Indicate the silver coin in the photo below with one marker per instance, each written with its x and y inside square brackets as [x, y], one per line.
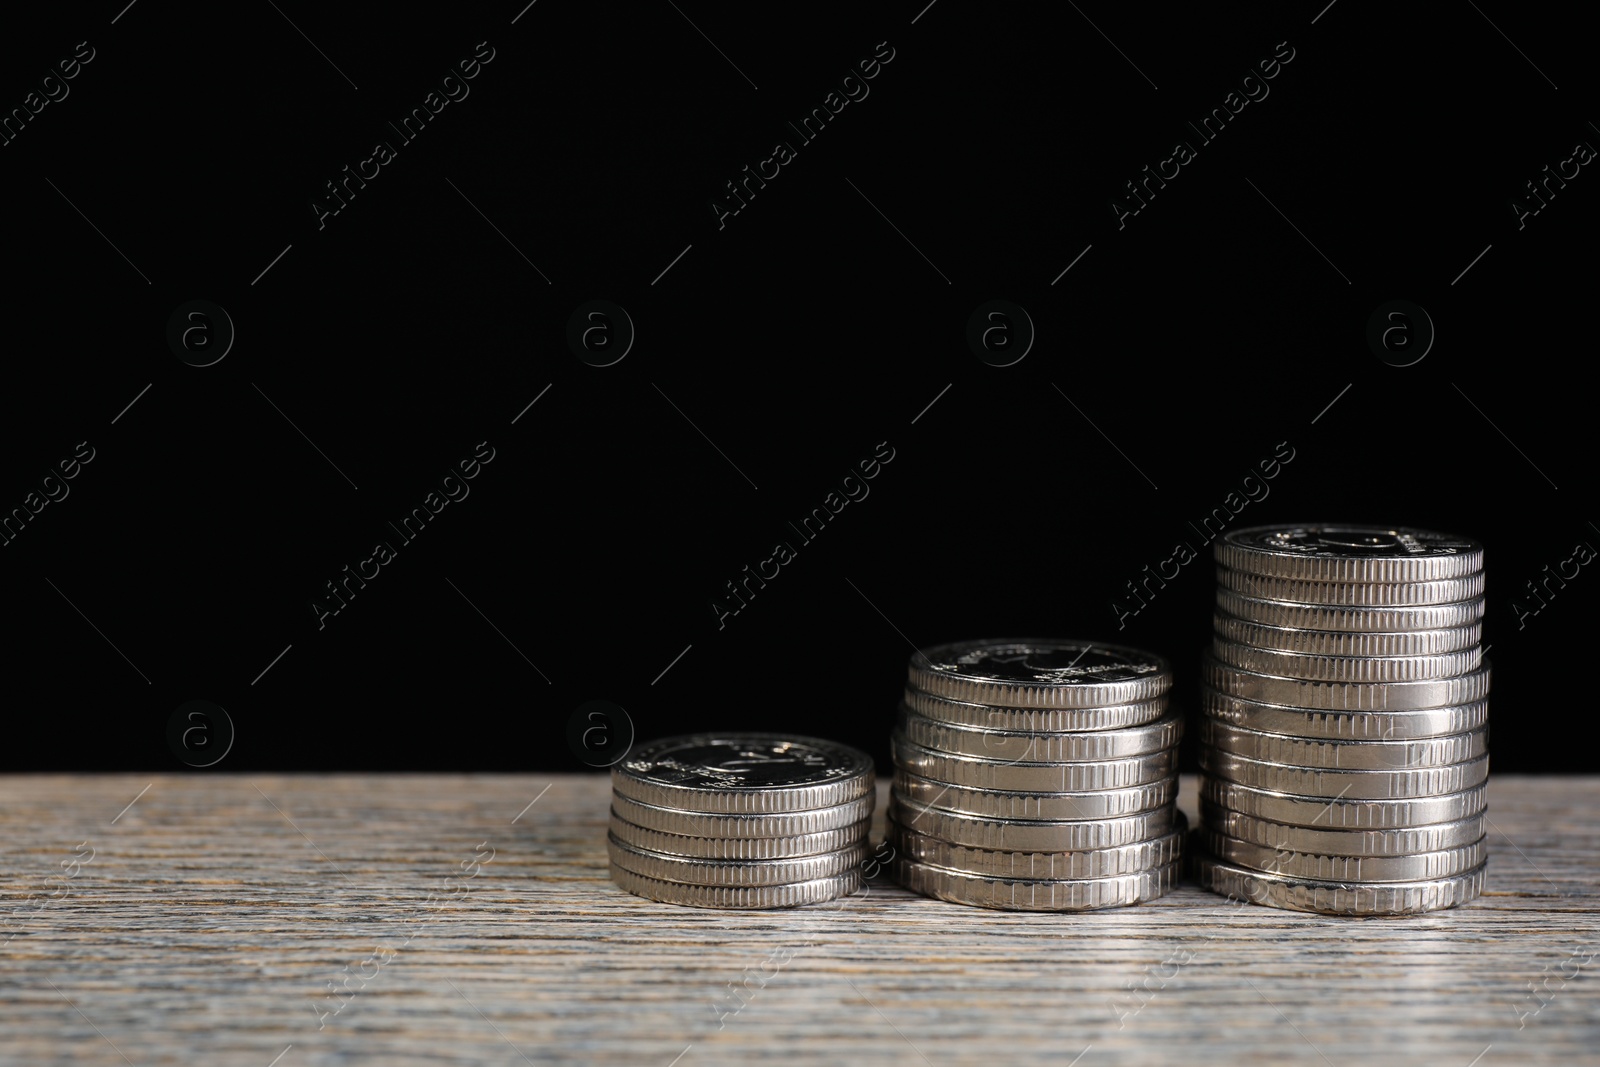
[1352, 594]
[1031, 777]
[1015, 894]
[739, 848]
[1029, 835]
[1396, 842]
[1346, 785]
[1337, 898]
[1343, 725]
[1039, 673]
[727, 896]
[1040, 720]
[1365, 620]
[1012, 747]
[1041, 866]
[1347, 642]
[1335, 552]
[743, 774]
[1344, 696]
[996, 804]
[1343, 813]
[779, 824]
[734, 872]
[1416, 867]
[1344, 755]
[1347, 668]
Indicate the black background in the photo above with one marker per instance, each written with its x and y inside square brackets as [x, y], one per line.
[799, 336]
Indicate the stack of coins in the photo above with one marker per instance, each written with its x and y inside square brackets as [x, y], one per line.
[1036, 775]
[1344, 731]
[740, 820]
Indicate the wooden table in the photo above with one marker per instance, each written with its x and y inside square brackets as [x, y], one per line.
[470, 920]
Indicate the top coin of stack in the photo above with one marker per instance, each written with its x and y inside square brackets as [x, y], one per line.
[1344, 727]
[740, 820]
[1036, 775]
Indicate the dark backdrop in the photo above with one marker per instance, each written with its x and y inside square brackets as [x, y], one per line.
[377, 347]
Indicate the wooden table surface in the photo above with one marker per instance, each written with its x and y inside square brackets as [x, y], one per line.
[400, 919]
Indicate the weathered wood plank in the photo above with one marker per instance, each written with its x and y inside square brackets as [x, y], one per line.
[205, 923]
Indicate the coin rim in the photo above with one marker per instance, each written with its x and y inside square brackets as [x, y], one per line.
[1231, 551]
[757, 825]
[1020, 777]
[1352, 594]
[1337, 643]
[1132, 857]
[1313, 777]
[1303, 722]
[1356, 669]
[1397, 813]
[971, 689]
[956, 887]
[1168, 786]
[1348, 618]
[1307, 752]
[1302, 894]
[1339, 841]
[691, 870]
[1025, 720]
[816, 891]
[738, 848]
[975, 831]
[1150, 738]
[1218, 845]
[1320, 695]
[746, 800]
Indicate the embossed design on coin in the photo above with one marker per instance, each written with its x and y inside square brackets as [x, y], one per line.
[743, 773]
[1039, 673]
[1332, 552]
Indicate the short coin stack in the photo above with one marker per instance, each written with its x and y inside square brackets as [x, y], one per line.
[1036, 775]
[740, 820]
[1344, 734]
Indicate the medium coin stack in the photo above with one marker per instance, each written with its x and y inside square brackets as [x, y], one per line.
[1344, 727]
[740, 820]
[1036, 775]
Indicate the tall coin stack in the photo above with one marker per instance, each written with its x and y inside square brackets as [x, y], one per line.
[740, 820]
[1344, 727]
[1036, 775]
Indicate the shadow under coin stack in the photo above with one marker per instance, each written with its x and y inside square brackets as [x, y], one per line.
[1344, 733]
[740, 820]
[1037, 776]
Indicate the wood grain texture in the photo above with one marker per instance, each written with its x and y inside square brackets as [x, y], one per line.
[216, 911]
